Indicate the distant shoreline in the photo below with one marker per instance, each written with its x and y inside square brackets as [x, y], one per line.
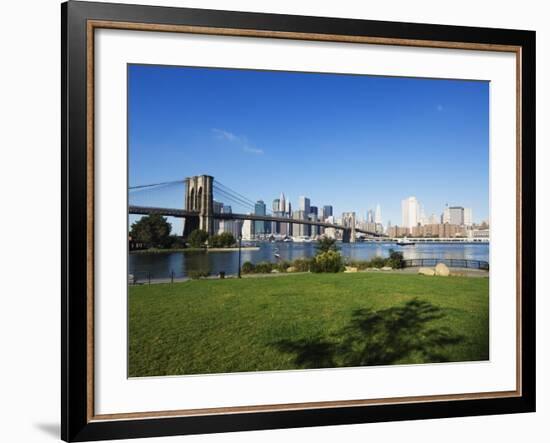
[164, 251]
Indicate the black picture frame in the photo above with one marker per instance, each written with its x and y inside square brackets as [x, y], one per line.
[76, 424]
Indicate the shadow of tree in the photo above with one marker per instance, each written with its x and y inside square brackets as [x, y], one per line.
[378, 338]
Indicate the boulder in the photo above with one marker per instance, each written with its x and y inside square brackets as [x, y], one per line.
[291, 269]
[442, 270]
[386, 268]
[350, 269]
[426, 271]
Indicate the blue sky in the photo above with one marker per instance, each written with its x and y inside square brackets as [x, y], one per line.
[351, 141]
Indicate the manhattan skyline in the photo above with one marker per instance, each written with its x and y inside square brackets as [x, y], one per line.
[350, 141]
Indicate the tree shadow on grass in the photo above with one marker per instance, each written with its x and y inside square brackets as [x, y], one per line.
[381, 337]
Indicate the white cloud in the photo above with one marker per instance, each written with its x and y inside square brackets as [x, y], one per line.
[252, 150]
[240, 141]
[224, 135]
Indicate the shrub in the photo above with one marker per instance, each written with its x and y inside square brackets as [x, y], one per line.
[396, 260]
[196, 274]
[264, 267]
[282, 266]
[360, 264]
[302, 264]
[248, 268]
[377, 262]
[330, 261]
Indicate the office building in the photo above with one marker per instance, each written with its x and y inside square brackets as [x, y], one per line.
[259, 225]
[410, 212]
[248, 230]
[370, 216]
[456, 215]
[299, 229]
[378, 215]
[304, 205]
[468, 217]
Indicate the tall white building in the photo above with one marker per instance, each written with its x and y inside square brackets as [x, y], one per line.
[410, 212]
[468, 217]
[378, 215]
[446, 216]
[248, 230]
[282, 203]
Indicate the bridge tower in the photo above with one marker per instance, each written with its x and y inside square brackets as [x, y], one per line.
[199, 198]
[348, 220]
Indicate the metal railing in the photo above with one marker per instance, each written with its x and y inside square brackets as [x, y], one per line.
[450, 262]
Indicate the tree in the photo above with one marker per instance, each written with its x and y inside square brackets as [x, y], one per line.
[395, 260]
[223, 240]
[326, 244]
[197, 238]
[153, 230]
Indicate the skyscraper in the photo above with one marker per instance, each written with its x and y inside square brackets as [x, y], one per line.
[248, 230]
[456, 215]
[468, 217]
[299, 229]
[410, 212]
[370, 216]
[275, 206]
[327, 212]
[304, 204]
[259, 226]
[446, 216]
[378, 215]
[282, 203]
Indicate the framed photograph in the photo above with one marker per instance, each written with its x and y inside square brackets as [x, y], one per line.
[276, 221]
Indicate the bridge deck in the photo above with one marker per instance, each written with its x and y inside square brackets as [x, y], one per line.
[182, 213]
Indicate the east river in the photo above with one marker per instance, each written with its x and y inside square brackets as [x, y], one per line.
[162, 265]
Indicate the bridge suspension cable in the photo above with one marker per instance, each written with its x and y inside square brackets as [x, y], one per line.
[153, 185]
[232, 194]
[233, 199]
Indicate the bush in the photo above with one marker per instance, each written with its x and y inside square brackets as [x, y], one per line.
[302, 264]
[263, 267]
[248, 268]
[197, 238]
[282, 266]
[196, 274]
[377, 262]
[330, 261]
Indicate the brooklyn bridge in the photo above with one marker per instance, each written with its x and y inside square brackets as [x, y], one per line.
[199, 212]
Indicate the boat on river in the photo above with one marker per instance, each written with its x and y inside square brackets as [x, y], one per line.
[405, 242]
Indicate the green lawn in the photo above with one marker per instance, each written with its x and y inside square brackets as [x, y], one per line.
[306, 321]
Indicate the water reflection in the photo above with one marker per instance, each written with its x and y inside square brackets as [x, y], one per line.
[161, 265]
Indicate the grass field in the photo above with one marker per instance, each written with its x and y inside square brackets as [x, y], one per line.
[306, 321]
